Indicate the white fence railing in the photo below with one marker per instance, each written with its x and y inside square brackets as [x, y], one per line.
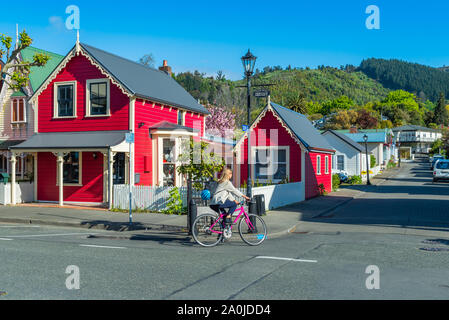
[148, 198]
[24, 192]
[155, 199]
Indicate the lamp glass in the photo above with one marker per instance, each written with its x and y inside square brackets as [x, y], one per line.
[249, 61]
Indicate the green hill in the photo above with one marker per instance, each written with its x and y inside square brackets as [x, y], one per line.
[323, 84]
[424, 81]
[309, 87]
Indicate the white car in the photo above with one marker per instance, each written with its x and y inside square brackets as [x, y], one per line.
[441, 170]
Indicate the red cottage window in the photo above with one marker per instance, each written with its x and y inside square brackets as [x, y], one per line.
[18, 110]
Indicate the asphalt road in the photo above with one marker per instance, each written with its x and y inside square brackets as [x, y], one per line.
[400, 227]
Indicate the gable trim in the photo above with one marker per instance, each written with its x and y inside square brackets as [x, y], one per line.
[283, 124]
[73, 53]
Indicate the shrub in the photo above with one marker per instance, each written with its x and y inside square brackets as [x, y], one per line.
[335, 181]
[174, 204]
[322, 189]
[355, 180]
[391, 164]
[373, 162]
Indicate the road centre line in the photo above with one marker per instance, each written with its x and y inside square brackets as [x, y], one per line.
[5, 239]
[51, 235]
[286, 259]
[19, 226]
[96, 246]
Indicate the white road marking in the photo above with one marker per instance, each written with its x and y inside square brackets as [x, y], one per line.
[5, 239]
[286, 259]
[19, 226]
[95, 246]
[52, 235]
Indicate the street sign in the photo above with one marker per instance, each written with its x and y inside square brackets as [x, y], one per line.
[245, 127]
[261, 93]
[129, 138]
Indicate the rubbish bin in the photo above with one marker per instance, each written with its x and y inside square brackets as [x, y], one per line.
[260, 204]
[4, 177]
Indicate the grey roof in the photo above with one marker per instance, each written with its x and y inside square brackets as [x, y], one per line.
[170, 126]
[346, 139]
[412, 127]
[5, 144]
[145, 82]
[80, 140]
[302, 128]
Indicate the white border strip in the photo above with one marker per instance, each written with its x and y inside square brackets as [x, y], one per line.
[95, 246]
[286, 259]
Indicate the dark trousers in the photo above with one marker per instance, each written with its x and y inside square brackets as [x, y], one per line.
[231, 205]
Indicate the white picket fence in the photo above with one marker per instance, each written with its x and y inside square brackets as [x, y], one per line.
[147, 198]
[24, 192]
[155, 198]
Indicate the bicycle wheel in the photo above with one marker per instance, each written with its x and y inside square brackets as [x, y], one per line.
[249, 234]
[202, 231]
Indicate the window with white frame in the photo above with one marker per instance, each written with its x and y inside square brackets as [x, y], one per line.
[18, 111]
[168, 162]
[65, 99]
[270, 164]
[318, 164]
[326, 165]
[340, 162]
[98, 98]
[71, 169]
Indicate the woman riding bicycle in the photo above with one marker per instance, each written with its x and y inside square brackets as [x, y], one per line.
[224, 194]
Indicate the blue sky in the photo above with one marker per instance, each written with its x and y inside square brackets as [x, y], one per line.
[212, 35]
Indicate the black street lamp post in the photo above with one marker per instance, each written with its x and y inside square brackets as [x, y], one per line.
[365, 138]
[249, 61]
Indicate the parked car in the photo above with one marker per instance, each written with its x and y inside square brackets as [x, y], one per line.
[441, 170]
[434, 160]
[435, 155]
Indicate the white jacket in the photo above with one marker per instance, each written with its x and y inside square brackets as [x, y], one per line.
[225, 191]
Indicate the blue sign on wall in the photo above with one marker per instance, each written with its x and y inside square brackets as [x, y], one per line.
[129, 137]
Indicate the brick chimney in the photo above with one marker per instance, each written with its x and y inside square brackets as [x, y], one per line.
[166, 68]
[353, 130]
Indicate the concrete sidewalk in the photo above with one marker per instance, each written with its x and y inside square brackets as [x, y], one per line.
[279, 222]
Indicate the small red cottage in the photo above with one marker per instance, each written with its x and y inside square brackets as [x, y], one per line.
[84, 110]
[285, 146]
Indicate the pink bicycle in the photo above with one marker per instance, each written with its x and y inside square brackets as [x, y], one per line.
[208, 229]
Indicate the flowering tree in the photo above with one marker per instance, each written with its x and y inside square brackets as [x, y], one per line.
[220, 121]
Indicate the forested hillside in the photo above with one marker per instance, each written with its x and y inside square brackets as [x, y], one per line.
[426, 82]
[379, 93]
[304, 90]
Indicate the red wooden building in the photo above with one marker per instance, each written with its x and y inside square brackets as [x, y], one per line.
[286, 147]
[83, 111]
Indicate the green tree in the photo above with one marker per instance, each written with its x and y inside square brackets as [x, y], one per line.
[297, 102]
[16, 74]
[341, 103]
[197, 163]
[441, 114]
